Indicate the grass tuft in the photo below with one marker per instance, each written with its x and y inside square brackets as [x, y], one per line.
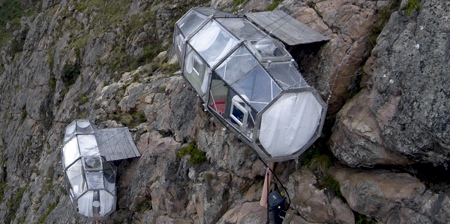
[410, 6]
[320, 163]
[196, 156]
[50, 209]
[9, 10]
[274, 4]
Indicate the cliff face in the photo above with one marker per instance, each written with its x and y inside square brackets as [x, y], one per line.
[112, 64]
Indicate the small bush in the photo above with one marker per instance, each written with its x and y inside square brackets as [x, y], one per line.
[238, 4]
[21, 219]
[208, 176]
[131, 118]
[309, 155]
[378, 25]
[44, 216]
[70, 74]
[139, 117]
[362, 219]
[320, 163]
[411, 5]
[3, 188]
[18, 196]
[145, 205]
[81, 43]
[16, 46]
[10, 13]
[48, 181]
[274, 4]
[82, 115]
[136, 77]
[169, 69]
[333, 185]
[83, 99]
[14, 203]
[196, 156]
[52, 83]
[126, 119]
[149, 53]
[9, 10]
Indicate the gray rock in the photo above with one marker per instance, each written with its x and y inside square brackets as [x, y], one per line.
[342, 213]
[409, 103]
[249, 212]
[390, 197]
[357, 139]
[311, 203]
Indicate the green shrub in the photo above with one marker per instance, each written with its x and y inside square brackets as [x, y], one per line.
[274, 4]
[9, 10]
[150, 52]
[50, 209]
[70, 74]
[208, 176]
[81, 43]
[136, 77]
[196, 156]
[320, 163]
[169, 69]
[83, 99]
[52, 83]
[3, 188]
[309, 155]
[145, 205]
[411, 5]
[383, 18]
[14, 204]
[82, 115]
[48, 181]
[238, 4]
[333, 185]
[18, 197]
[63, 191]
[16, 46]
[139, 117]
[21, 219]
[362, 219]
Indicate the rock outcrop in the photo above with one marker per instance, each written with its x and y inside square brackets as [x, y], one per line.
[403, 117]
[391, 197]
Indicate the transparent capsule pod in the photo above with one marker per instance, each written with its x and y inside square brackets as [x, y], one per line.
[250, 82]
[89, 175]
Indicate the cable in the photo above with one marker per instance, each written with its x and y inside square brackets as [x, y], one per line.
[268, 33]
[279, 181]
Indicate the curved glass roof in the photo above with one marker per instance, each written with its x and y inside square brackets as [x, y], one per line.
[250, 82]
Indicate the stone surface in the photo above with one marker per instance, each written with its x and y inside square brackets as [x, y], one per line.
[248, 212]
[315, 204]
[357, 139]
[406, 111]
[348, 25]
[342, 213]
[390, 197]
